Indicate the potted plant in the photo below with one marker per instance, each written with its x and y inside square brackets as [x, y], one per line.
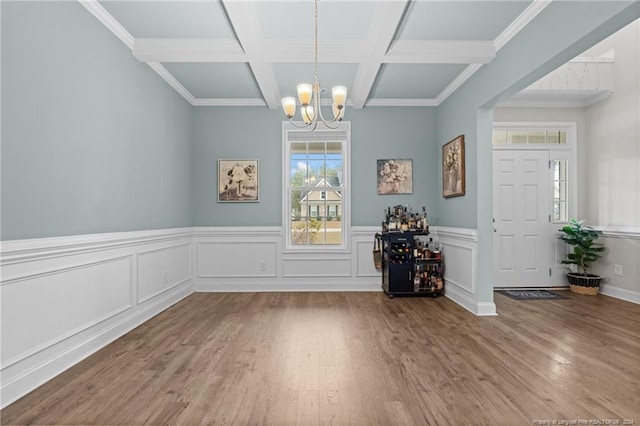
[585, 252]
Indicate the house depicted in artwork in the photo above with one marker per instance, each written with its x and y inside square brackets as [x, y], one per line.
[323, 202]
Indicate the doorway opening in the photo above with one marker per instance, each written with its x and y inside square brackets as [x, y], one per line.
[534, 195]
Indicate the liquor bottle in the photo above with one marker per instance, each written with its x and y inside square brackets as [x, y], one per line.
[425, 221]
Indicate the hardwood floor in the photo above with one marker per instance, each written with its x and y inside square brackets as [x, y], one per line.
[355, 358]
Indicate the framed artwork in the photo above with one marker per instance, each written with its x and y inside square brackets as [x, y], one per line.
[395, 177]
[453, 168]
[238, 181]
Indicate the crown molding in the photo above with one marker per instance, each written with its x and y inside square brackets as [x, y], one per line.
[369, 53]
[188, 50]
[459, 80]
[228, 102]
[441, 52]
[108, 21]
[401, 102]
[520, 22]
[171, 80]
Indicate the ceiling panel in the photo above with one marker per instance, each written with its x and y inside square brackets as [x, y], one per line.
[256, 51]
[459, 20]
[336, 20]
[171, 19]
[290, 75]
[216, 80]
[414, 81]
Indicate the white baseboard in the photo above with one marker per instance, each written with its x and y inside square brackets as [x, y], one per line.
[288, 285]
[468, 301]
[620, 293]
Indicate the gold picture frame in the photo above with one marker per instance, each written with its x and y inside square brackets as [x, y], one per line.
[453, 184]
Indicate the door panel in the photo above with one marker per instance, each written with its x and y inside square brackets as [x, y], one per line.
[521, 209]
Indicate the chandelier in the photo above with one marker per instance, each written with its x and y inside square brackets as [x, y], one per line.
[309, 97]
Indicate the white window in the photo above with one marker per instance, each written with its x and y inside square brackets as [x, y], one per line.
[316, 191]
[560, 191]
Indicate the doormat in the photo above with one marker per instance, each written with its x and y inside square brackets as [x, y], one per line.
[531, 294]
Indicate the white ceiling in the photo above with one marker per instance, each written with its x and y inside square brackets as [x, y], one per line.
[387, 53]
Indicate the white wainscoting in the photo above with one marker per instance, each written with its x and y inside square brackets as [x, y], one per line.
[63, 299]
[623, 249]
[252, 259]
[460, 252]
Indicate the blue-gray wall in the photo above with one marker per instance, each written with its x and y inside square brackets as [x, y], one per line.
[376, 133]
[92, 140]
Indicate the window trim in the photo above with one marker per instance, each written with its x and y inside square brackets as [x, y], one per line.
[317, 135]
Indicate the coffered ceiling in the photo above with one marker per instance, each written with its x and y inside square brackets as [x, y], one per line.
[248, 53]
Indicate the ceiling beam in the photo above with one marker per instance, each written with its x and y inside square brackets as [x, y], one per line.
[441, 52]
[329, 51]
[386, 19]
[244, 20]
[187, 50]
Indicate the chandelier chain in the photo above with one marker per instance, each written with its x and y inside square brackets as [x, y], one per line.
[316, 42]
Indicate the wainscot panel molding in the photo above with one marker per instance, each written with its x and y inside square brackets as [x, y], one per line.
[62, 299]
[460, 253]
[620, 231]
[253, 259]
[623, 251]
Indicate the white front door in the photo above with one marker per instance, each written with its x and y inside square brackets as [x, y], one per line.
[521, 206]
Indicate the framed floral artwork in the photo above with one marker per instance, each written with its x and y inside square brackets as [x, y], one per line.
[453, 168]
[395, 177]
[238, 181]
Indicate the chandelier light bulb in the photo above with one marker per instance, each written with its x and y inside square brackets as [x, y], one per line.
[304, 93]
[339, 94]
[307, 114]
[289, 106]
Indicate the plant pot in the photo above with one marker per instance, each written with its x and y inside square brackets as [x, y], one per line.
[584, 284]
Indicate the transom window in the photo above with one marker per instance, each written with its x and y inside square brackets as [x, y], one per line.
[316, 205]
[529, 136]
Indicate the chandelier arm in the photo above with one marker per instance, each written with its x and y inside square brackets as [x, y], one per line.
[303, 126]
[325, 121]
